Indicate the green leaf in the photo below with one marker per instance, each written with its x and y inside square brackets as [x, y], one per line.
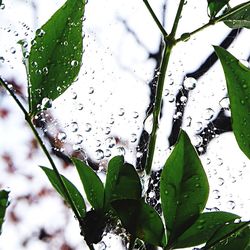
[4, 196]
[141, 221]
[56, 55]
[183, 188]
[215, 6]
[122, 181]
[75, 195]
[238, 17]
[230, 236]
[92, 184]
[114, 167]
[203, 228]
[238, 84]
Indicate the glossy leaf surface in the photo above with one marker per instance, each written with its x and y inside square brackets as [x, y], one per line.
[215, 6]
[75, 195]
[183, 187]
[122, 181]
[56, 54]
[92, 184]
[4, 196]
[238, 17]
[203, 228]
[238, 84]
[141, 220]
[230, 236]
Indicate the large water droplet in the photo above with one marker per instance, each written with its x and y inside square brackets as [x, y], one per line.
[74, 126]
[61, 136]
[189, 83]
[99, 154]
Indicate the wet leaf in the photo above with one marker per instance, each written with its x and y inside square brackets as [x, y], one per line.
[203, 228]
[92, 184]
[114, 167]
[141, 220]
[4, 196]
[75, 195]
[238, 84]
[215, 6]
[230, 236]
[238, 17]
[56, 54]
[122, 181]
[183, 188]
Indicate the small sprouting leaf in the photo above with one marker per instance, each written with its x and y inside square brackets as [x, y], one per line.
[92, 184]
[114, 167]
[183, 188]
[122, 181]
[230, 236]
[238, 17]
[56, 54]
[141, 220]
[238, 84]
[75, 195]
[215, 6]
[93, 226]
[4, 196]
[203, 228]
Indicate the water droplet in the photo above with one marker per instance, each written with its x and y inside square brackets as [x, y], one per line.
[198, 126]
[88, 127]
[121, 112]
[224, 103]
[121, 151]
[189, 83]
[183, 99]
[135, 115]
[110, 141]
[40, 32]
[99, 154]
[46, 103]
[2, 6]
[171, 98]
[61, 136]
[74, 63]
[2, 59]
[12, 50]
[220, 181]
[209, 114]
[91, 90]
[45, 70]
[107, 153]
[231, 204]
[74, 126]
[133, 138]
[148, 123]
[216, 194]
[79, 139]
[74, 95]
[107, 130]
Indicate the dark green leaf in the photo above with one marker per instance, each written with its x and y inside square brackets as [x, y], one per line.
[75, 195]
[141, 220]
[93, 227]
[114, 167]
[183, 187]
[238, 84]
[203, 228]
[4, 196]
[92, 184]
[56, 55]
[238, 17]
[215, 6]
[122, 181]
[230, 236]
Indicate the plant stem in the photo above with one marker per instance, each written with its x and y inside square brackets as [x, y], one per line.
[169, 42]
[43, 147]
[177, 18]
[158, 23]
[157, 105]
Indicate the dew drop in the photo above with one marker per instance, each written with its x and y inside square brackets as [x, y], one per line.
[99, 154]
[74, 63]
[216, 194]
[209, 114]
[121, 112]
[40, 32]
[110, 141]
[133, 138]
[61, 136]
[2, 59]
[224, 103]
[231, 204]
[74, 126]
[220, 181]
[12, 50]
[46, 103]
[2, 6]
[121, 151]
[88, 127]
[189, 83]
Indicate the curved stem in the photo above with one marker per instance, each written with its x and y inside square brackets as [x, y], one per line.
[158, 23]
[42, 145]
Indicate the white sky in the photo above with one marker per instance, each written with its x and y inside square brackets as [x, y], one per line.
[113, 65]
